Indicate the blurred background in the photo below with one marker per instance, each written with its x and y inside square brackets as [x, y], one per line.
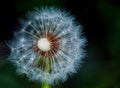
[101, 22]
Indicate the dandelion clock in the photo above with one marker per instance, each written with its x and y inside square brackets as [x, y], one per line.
[48, 47]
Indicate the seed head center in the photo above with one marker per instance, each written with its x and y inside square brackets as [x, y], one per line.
[43, 44]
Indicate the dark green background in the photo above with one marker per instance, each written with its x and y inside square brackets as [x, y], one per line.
[101, 22]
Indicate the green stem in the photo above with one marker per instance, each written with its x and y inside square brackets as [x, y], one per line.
[46, 85]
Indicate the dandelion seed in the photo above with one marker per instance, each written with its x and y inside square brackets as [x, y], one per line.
[49, 48]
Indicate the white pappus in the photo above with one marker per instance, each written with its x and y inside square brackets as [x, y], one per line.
[49, 46]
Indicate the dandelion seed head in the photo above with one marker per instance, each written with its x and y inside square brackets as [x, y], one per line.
[49, 46]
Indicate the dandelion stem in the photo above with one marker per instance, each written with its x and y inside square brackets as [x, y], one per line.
[46, 85]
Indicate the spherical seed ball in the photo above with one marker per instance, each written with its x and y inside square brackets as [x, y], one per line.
[49, 46]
